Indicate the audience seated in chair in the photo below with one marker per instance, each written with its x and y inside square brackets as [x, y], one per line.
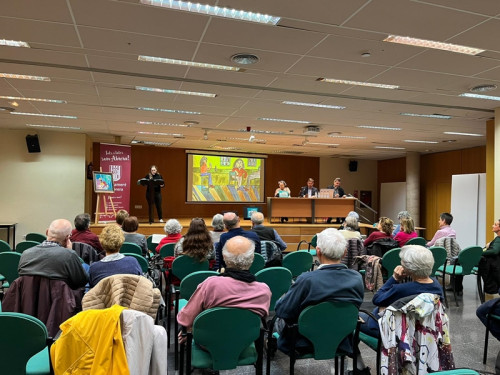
[114, 262]
[120, 217]
[489, 266]
[197, 242]
[130, 227]
[82, 233]
[407, 231]
[384, 227]
[350, 227]
[401, 215]
[218, 225]
[445, 220]
[173, 231]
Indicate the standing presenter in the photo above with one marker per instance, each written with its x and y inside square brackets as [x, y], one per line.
[154, 175]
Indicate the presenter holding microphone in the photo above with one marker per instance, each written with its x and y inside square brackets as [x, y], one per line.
[154, 175]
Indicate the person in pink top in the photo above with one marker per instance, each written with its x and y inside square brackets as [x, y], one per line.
[445, 220]
[236, 287]
[407, 231]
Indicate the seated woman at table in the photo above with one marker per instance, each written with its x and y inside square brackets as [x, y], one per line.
[197, 242]
[384, 227]
[407, 231]
[282, 191]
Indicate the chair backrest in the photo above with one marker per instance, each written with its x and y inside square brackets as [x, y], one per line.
[151, 245]
[417, 241]
[271, 253]
[142, 261]
[257, 264]
[298, 262]
[191, 282]
[381, 246]
[450, 244]
[9, 263]
[37, 237]
[225, 332]
[24, 245]
[278, 279]
[469, 258]
[4, 246]
[24, 334]
[320, 325]
[391, 260]
[439, 254]
[310, 244]
[130, 248]
[167, 250]
[183, 265]
[85, 252]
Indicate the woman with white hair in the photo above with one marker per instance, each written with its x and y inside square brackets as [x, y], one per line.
[218, 225]
[173, 231]
[351, 228]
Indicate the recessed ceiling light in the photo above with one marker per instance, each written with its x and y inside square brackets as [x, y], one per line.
[165, 134]
[417, 141]
[435, 115]
[151, 143]
[245, 58]
[191, 122]
[13, 43]
[24, 76]
[314, 105]
[377, 127]
[43, 115]
[483, 88]
[262, 131]
[179, 92]
[356, 83]
[283, 120]
[466, 134]
[449, 141]
[477, 96]
[162, 124]
[168, 110]
[390, 148]
[227, 148]
[187, 63]
[33, 99]
[433, 44]
[335, 135]
[291, 152]
[214, 11]
[52, 126]
[323, 144]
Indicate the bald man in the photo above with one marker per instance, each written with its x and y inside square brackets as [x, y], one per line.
[232, 224]
[236, 287]
[54, 257]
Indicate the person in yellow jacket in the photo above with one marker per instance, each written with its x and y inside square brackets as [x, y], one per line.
[91, 343]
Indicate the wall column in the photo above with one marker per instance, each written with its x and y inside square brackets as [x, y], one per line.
[413, 185]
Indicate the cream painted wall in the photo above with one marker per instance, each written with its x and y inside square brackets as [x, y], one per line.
[365, 178]
[38, 188]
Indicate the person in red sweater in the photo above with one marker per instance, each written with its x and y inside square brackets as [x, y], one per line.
[407, 231]
[384, 227]
[173, 231]
[82, 233]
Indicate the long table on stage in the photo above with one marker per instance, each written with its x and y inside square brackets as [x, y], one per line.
[310, 208]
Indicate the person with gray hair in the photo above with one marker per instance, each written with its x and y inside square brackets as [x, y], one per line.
[401, 215]
[236, 287]
[173, 231]
[218, 225]
[332, 281]
[266, 233]
[351, 228]
[82, 232]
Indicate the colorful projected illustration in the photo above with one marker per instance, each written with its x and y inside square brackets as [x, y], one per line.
[223, 178]
[103, 182]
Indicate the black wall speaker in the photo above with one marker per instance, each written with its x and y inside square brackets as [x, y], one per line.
[353, 166]
[32, 143]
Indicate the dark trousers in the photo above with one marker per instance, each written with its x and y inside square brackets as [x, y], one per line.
[157, 202]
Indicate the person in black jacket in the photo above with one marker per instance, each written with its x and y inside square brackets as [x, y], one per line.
[154, 175]
[309, 190]
[338, 192]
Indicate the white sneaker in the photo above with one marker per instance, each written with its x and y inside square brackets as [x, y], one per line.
[161, 220]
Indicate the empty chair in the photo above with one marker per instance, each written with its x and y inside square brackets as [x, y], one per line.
[37, 237]
[311, 245]
[4, 246]
[24, 245]
[9, 263]
[298, 262]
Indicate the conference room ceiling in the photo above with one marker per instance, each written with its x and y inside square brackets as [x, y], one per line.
[90, 51]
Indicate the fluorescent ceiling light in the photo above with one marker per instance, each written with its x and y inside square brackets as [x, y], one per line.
[226, 148]
[444, 117]
[168, 110]
[187, 63]
[356, 83]
[314, 105]
[377, 127]
[13, 43]
[433, 44]
[390, 147]
[162, 124]
[165, 91]
[416, 141]
[151, 143]
[323, 144]
[291, 152]
[262, 131]
[24, 76]
[33, 99]
[466, 134]
[334, 135]
[43, 115]
[477, 96]
[211, 10]
[283, 120]
[52, 126]
[166, 134]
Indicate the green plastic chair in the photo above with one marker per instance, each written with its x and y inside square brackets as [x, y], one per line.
[4, 246]
[468, 258]
[25, 245]
[374, 343]
[257, 264]
[439, 253]
[30, 338]
[320, 325]
[142, 261]
[391, 260]
[167, 250]
[9, 263]
[298, 262]
[417, 241]
[151, 245]
[37, 237]
[131, 248]
[278, 279]
[491, 318]
[311, 246]
[230, 338]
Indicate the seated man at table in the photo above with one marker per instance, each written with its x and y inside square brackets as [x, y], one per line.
[236, 287]
[332, 281]
[309, 190]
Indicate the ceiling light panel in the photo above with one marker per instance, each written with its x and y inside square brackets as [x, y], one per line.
[165, 134]
[465, 134]
[377, 127]
[357, 83]
[162, 124]
[52, 126]
[323, 144]
[335, 135]
[390, 148]
[478, 96]
[433, 44]
[24, 76]
[13, 43]
[444, 117]
[187, 63]
[152, 143]
[314, 105]
[417, 141]
[43, 115]
[168, 110]
[179, 92]
[283, 120]
[210, 10]
[33, 99]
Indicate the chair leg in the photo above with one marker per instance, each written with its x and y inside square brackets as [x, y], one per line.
[480, 287]
[444, 288]
[342, 363]
[486, 336]
[181, 359]
[259, 345]
[452, 280]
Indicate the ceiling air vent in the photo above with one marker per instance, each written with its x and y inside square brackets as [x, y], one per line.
[311, 129]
